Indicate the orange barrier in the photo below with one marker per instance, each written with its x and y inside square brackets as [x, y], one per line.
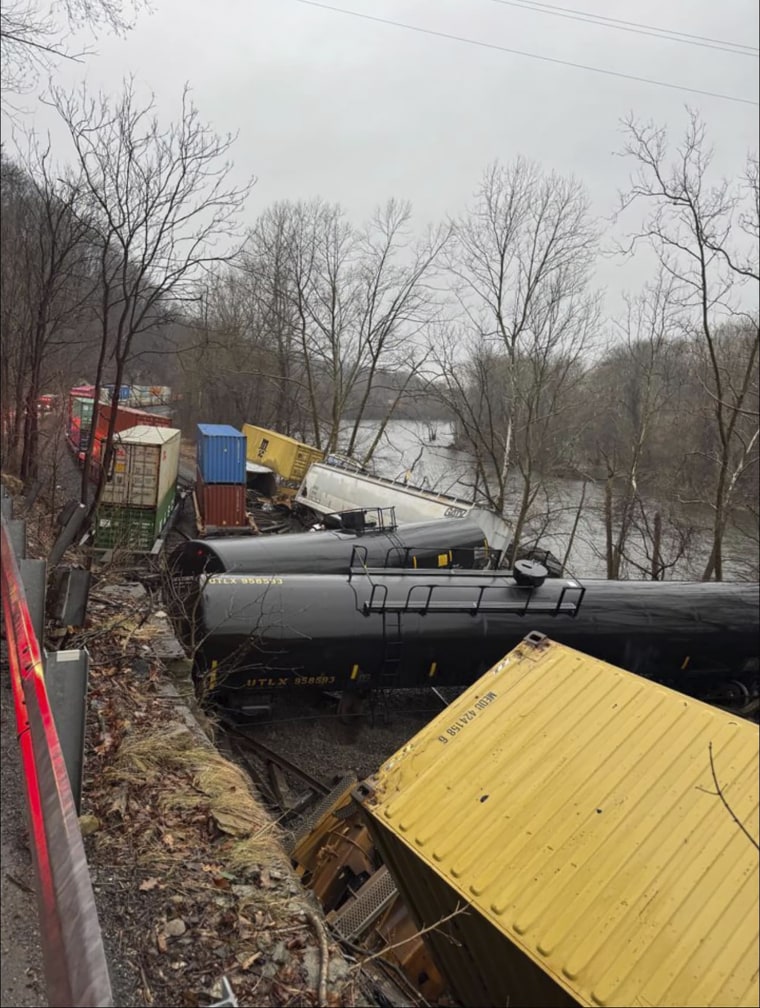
[76, 973]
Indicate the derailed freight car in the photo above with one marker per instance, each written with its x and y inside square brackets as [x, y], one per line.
[368, 537]
[568, 834]
[378, 628]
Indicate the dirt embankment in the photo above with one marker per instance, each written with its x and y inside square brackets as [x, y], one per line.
[194, 892]
[191, 880]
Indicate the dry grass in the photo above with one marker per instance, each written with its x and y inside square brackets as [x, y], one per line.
[13, 485]
[152, 752]
[206, 786]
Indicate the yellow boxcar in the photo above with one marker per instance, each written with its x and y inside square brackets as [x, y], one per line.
[576, 835]
[288, 458]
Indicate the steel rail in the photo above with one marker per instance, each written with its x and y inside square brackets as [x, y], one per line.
[76, 973]
[269, 755]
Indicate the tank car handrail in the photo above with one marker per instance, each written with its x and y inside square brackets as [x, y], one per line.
[74, 959]
[528, 597]
[359, 553]
[571, 586]
[384, 606]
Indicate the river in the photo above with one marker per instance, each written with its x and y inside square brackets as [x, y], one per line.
[422, 451]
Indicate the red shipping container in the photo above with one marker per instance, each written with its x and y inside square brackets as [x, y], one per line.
[221, 504]
[126, 417]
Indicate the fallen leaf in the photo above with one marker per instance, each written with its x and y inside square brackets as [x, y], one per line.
[119, 803]
[246, 961]
[147, 884]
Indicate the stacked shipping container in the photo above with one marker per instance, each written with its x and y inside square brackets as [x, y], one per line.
[125, 418]
[82, 416]
[220, 476]
[140, 395]
[79, 423]
[140, 495]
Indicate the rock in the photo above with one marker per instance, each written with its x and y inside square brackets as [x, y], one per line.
[175, 928]
[89, 824]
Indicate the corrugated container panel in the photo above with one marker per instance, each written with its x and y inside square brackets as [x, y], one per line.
[222, 505]
[289, 458]
[221, 454]
[132, 528]
[572, 808]
[146, 465]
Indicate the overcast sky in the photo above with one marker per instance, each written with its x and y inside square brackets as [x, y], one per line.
[357, 111]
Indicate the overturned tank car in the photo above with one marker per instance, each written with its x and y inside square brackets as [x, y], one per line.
[378, 628]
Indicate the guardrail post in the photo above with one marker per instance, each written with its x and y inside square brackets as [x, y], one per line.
[17, 536]
[67, 534]
[34, 578]
[66, 674]
[70, 591]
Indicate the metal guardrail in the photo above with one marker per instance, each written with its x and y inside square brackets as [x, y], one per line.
[76, 972]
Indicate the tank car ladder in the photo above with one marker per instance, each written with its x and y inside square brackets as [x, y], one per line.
[393, 646]
[393, 638]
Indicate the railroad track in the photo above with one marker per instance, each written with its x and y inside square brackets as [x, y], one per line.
[274, 773]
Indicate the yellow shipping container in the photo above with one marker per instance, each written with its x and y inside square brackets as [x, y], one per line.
[591, 837]
[290, 459]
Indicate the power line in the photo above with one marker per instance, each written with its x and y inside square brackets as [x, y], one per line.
[737, 48]
[529, 55]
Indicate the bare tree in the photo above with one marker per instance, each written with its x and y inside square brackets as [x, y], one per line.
[16, 193]
[633, 390]
[521, 258]
[161, 205]
[47, 290]
[705, 237]
[33, 35]
[396, 308]
[327, 312]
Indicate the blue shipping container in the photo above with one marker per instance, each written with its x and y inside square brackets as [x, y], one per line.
[124, 391]
[221, 453]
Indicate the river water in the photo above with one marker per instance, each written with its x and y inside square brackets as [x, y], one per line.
[421, 450]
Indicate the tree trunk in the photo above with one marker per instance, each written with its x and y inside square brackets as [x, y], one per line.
[608, 529]
[656, 548]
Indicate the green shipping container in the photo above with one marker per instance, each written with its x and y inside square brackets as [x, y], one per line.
[82, 409]
[131, 528]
